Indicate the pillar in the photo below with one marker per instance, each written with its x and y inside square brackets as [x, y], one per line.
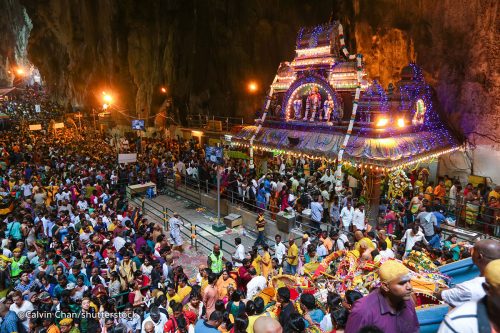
[374, 182]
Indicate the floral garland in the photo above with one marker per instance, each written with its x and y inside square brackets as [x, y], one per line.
[398, 183]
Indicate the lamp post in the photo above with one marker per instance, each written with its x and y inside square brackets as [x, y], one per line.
[218, 226]
[79, 116]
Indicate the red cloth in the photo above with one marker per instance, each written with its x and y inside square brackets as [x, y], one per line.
[244, 277]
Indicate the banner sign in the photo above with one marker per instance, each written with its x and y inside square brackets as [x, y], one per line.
[36, 127]
[127, 158]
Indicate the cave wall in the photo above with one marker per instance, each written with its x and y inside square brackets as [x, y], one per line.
[15, 27]
[205, 52]
[456, 44]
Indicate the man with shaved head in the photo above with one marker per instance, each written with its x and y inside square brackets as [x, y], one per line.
[267, 325]
[483, 253]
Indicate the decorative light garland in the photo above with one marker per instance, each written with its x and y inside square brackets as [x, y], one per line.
[356, 163]
[342, 43]
[338, 174]
[313, 52]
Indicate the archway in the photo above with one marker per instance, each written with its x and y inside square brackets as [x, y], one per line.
[299, 91]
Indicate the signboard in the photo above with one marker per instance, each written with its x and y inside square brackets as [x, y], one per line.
[138, 124]
[214, 154]
[127, 158]
[58, 125]
[36, 127]
[38, 109]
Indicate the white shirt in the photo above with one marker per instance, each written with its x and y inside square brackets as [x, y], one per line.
[255, 285]
[239, 254]
[133, 323]
[82, 204]
[462, 319]
[346, 216]
[118, 243]
[387, 254]
[22, 312]
[325, 179]
[321, 251]
[358, 219]
[27, 188]
[411, 240]
[466, 291]
[453, 194]
[326, 324]
[158, 326]
[279, 251]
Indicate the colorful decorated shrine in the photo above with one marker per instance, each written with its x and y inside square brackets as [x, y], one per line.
[321, 105]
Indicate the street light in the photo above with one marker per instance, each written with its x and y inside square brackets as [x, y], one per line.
[252, 87]
[163, 90]
[401, 122]
[382, 122]
[107, 97]
[79, 116]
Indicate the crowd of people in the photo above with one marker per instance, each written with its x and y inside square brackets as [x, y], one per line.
[30, 103]
[77, 258]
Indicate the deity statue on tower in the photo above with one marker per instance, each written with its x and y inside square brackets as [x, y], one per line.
[313, 102]
[297, 107]
[327, 109]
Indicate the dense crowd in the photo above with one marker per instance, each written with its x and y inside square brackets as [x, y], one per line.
[30, 103]
[77, 258]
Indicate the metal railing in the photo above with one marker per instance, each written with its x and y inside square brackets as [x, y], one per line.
[487, 220]
[188, 187]
[188, 228]
[202, 121]
[192, 230]
[122, 298]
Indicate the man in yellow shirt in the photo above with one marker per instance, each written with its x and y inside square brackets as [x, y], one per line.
[292, 257]
[382, 236]
[260, 224]
[495, 193]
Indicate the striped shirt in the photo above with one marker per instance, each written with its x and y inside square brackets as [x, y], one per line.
[461, 320]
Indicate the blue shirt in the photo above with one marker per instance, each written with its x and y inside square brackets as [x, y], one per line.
[435, 242]
[9, 323]
[439, 218]
[14, 230]
[316, 316]
[203, 327]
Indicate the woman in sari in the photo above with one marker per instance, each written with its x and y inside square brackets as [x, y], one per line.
[256, 260]
[273, 204]
[284, 198]
[266, 264]
[223, 283]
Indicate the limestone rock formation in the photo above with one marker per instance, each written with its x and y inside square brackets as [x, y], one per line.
[15, 27]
